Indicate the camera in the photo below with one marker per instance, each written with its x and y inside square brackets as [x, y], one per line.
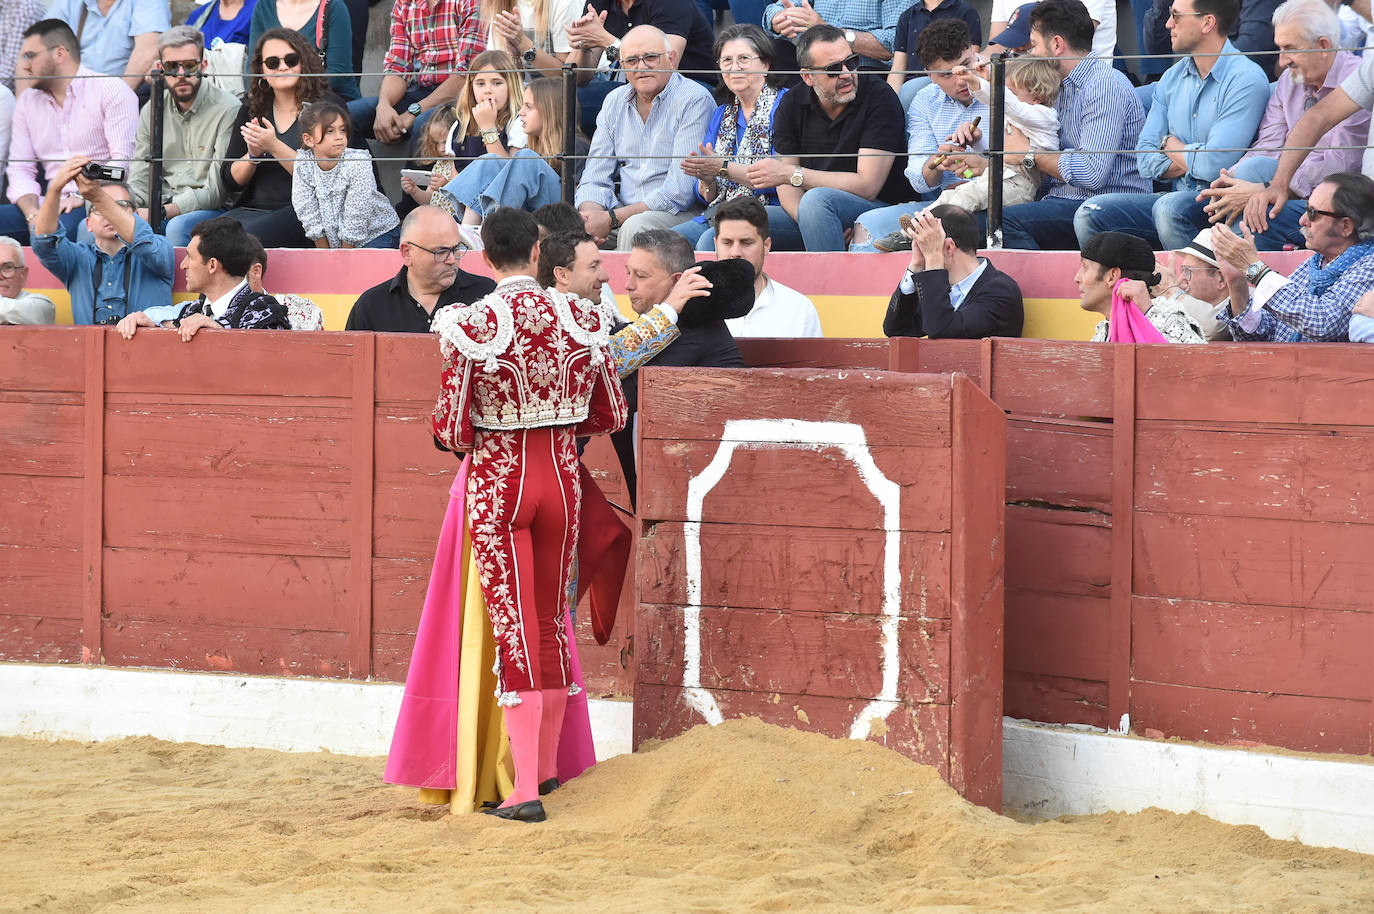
[97, 172]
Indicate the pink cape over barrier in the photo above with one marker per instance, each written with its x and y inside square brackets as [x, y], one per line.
[424, 747]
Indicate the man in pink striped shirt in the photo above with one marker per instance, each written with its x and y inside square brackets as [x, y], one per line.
[70, 111]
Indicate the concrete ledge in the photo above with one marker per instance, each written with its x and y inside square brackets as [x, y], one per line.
[292, 715]
[1053, 771]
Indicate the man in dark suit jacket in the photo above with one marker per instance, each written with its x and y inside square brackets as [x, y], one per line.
[948, 291]
[656, 262]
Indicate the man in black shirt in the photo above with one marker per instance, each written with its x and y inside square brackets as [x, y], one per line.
[595, 38]
[431, 246]
[840, 139]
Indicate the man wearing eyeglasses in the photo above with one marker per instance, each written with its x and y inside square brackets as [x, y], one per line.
[16, 305]
[124, 268]
[1316, 303]
[197, 116]
[431, 247]
[1204, 115]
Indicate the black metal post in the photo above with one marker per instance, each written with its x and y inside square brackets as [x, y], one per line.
[997, 142]
[155, 167]
[569, 128]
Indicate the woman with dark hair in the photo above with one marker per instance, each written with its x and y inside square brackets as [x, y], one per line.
[739, 133]
[287, 76]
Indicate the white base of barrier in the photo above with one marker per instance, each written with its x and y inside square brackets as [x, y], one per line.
[1047, 771]
[292, 715]
[1050, 771]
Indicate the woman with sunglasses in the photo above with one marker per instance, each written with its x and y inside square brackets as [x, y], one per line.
[739, 133]
[266, 135]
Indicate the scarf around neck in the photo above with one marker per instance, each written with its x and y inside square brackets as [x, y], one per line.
[1321, 278]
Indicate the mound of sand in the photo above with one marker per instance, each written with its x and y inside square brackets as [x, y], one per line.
[744, 816]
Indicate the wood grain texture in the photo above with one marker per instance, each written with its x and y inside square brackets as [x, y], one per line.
[42, 511]
[226, 648]
[1043, 378]
[1123, 559]
[406, 518]
[271, 363]
[1292, 651]
[44, 358]
[41, 581]
[1060, 462]
[1057, 635]
[92, 497]
[920, 732]
[805, 569]
[813, 353]
[42, 433]
[1056, 699]
[39, 639]
[408, 368]
[1053, 551]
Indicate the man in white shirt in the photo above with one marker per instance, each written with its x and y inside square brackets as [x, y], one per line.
[741, 225]
[16, 305]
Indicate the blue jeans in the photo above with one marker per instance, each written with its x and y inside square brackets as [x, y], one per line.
[824, 214]
[1133, 214]
[523, 181]
[884, 220]
[363, 112]
[389, 240]
[13, 223]
[784, 232]
[178, 228]
[590, 98]
[1045, 225]
[1179, 220]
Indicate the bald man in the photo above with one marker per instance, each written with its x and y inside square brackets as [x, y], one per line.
[431, 248]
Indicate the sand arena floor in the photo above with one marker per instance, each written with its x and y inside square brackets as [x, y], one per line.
[741, 817]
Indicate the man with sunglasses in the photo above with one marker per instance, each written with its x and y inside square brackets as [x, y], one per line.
[1316, 303]
[432, 244]
[197, 117]
[125, 267]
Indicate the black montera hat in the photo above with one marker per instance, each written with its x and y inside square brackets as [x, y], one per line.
[1117, 249]
[732, 293]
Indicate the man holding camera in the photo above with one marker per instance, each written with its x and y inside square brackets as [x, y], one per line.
[126, 267]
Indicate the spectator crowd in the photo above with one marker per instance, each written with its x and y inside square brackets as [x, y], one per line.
[820, 126]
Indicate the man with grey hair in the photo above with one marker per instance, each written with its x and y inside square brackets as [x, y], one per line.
[634, 179]
[197, 118]
[1308, 35]
[1316, 303]
[18, 306]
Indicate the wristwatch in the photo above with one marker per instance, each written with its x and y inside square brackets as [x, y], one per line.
[1028, 160]
[615, 221]
[490, 136]
[1255, 272]
[796, 179]
[851, 36]
[613, 52]
[723, 172]
[413, 109]
[529, 56]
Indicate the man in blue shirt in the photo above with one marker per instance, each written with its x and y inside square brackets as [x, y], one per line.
[1204, 115]
[124, 268]
[116, 38]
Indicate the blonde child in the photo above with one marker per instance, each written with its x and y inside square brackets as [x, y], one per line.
[332, 187]
[432, 151]
[488, 120]
[1032, 87]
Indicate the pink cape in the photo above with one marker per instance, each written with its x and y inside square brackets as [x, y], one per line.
[1127, 324]
[424, 747]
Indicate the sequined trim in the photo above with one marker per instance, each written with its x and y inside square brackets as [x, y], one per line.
[508, 699]
[448, 324]
[595, 340]
[574, 689]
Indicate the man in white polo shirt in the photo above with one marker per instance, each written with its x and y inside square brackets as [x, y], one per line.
[741, 227]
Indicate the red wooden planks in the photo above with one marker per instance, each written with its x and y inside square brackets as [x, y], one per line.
[39, 639]
[1056, 635]
[262, 363]
[43, 358]
[1061, 463]
[1056, 699]
[1045, 378]
[814, 353]
[226, 648]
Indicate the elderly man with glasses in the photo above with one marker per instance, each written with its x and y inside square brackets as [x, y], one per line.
[17, 305]
[634, 180]
[1316, 303]
[432, 244]
[124, 268]
[197, 117]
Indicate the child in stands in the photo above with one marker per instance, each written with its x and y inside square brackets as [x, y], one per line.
[432, 152]
[333, 189]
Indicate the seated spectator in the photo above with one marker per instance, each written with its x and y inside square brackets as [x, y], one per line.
[1299, 26]
[948, 291]
[301, 312]
[1032, 86]
[334, 40]
[432, 45]
[1110, 262]
[1252, 32]
[225, 27]
[629, 185]
[1316, 303]
[597, 35]
[741, 233]
[939, 123]
[18, 306]
[1205, 111]
[62, 112]
[735, 139]
[123, 268]
[1098, 111]
[15, 18]
[536, 34]
[430, 277]
[196, 126]
[839, 141]
[1011, 33]
[116, 38]
[910, 25]
[528, 178]
[333, 189]
[870, 29]
[1199, 282]
[217, 263]
[1004, 19]
[487, 116]
[6, 125]
[431, 152]
[266, 135]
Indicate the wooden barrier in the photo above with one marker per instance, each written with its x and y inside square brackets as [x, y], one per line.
[823, 549]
